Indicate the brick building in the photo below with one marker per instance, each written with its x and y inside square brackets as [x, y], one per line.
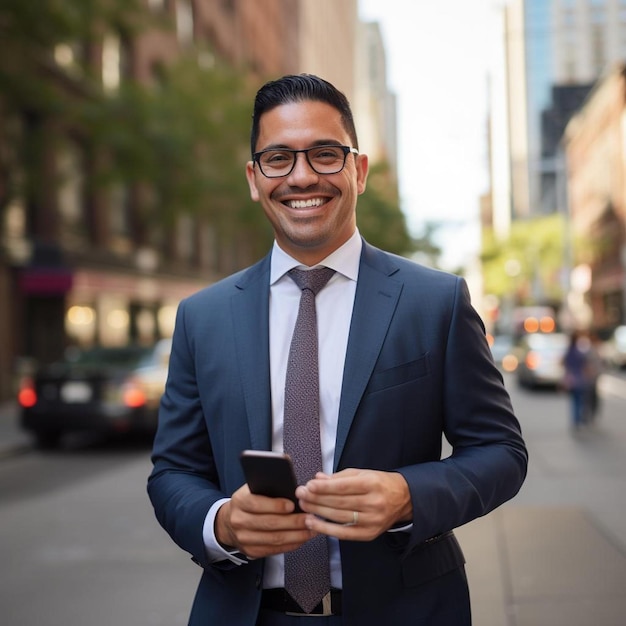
[76, 266]
[595, 143]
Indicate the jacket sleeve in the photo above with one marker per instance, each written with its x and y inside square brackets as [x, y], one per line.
[488, 462]
[183, 484]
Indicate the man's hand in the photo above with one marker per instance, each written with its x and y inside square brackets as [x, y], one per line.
[258, 526]
[355, 504]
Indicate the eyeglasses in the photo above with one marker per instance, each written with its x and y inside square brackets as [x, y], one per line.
[278, 162]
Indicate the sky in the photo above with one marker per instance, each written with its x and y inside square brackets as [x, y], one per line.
[437, 65]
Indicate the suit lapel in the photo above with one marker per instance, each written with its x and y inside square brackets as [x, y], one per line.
[250, 312]
[374, 304]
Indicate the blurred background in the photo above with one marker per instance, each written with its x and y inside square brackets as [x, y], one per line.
[496, 132]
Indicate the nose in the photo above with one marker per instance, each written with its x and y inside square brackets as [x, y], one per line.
[302, 174]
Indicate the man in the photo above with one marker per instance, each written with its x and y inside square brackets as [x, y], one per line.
[403, 360]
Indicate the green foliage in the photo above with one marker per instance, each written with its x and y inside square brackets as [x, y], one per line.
[529, 262]
[379, 217]
[425, 248]
[184, 137]
[35, 90]
[188, 139]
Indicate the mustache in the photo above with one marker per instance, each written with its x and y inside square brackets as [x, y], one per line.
[289, 192]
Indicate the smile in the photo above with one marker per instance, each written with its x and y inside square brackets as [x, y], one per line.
[306, 204]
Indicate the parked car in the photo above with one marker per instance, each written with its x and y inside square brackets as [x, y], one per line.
[503, 352]
[613, 350]
[541, 359]
[110, 390]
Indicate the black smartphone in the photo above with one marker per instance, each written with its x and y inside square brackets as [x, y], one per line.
[270, 474]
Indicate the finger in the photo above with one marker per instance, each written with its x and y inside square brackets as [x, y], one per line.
[341, 512]
[257, 545]
[351, 532]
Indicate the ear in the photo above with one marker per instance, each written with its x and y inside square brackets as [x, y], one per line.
[251, 177]
[362, 169]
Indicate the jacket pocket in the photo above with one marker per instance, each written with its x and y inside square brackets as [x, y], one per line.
[398, 375]
[432, 559]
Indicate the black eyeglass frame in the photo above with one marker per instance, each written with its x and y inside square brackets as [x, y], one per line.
[345, 149]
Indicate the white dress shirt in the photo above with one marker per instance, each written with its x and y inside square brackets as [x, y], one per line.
[334, 305]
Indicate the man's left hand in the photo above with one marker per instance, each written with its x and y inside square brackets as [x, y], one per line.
[355, 504]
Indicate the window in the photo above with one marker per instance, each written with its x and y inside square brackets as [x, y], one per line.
[70, 190]
[156, 5]
[184, 22]
[119, 212]
[115, 61]
[598, 43]
[186, 239]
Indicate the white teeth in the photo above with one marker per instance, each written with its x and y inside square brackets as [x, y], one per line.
[305, 204]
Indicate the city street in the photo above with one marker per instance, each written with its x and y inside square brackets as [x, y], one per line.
[556, 554]
[80, 545]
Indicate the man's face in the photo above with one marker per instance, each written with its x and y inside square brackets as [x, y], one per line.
[312, 214]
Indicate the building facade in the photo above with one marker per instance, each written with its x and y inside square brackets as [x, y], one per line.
[595, 144]
[555, 51]
[77, 266]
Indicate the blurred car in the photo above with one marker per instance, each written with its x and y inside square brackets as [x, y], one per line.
[613, 350]
[109, 390]
[541, 359]
[503, 352]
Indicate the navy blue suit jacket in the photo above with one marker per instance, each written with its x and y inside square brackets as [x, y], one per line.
[417, 365]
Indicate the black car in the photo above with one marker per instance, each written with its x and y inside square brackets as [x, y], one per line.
[110, 390]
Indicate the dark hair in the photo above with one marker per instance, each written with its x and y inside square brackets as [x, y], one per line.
[300, 88]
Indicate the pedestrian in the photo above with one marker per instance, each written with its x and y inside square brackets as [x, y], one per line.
[403, 360]
[579, 378]
[594, 371]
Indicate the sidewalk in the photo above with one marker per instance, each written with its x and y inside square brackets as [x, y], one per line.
[543, 566]
[527, 566]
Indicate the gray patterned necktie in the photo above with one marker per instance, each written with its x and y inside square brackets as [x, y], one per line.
[307, 570]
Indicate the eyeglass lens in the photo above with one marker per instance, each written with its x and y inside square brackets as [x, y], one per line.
[323, 160]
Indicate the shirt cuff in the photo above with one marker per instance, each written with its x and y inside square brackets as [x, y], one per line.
[214, 550]
[403, 528]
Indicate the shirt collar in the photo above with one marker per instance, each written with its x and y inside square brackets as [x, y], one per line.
[345, 260]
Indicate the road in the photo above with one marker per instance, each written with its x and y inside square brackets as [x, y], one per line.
[80, 544]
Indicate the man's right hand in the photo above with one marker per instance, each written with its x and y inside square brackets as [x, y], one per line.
[258, 526]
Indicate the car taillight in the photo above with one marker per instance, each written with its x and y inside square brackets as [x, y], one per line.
[27, 396]
[532, 360]
[509, 363]
[133, 395]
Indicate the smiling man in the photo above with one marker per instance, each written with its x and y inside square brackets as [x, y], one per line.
[312, 213]
[386, 357]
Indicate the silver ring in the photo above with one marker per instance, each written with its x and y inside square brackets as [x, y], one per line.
[355, 519]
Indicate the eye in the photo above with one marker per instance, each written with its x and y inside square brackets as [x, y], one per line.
[327, 153]
[276, 157]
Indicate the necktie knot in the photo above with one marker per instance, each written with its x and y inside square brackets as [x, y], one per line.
[314, 280]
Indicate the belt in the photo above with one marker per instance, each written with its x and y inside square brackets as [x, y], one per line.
[279, 600]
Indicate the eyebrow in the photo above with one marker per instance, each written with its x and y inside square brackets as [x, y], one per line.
[318, 142]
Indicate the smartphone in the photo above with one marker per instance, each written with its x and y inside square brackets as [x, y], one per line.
[270, 474]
